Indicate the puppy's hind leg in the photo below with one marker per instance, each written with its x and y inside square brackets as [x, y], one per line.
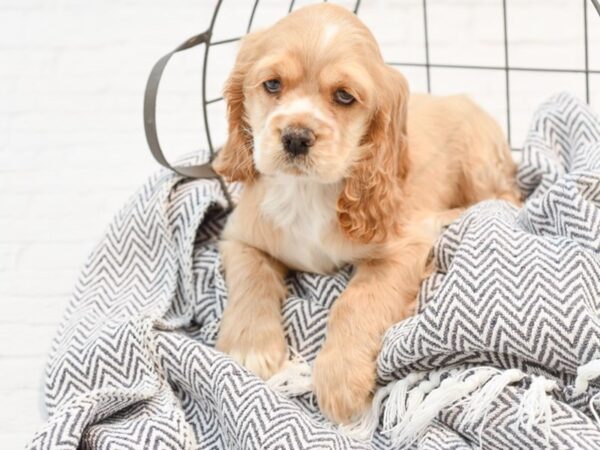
[251, 329]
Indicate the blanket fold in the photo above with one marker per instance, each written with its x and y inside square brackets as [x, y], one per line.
[503, 353]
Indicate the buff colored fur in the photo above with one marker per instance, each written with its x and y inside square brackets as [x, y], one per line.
[383, 177]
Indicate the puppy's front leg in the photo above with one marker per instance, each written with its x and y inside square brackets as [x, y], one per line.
[381, 293]
[251, 329]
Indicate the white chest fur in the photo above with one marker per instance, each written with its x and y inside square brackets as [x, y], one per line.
[305, 212]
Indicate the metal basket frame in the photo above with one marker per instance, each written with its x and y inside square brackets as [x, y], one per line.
[205, 170]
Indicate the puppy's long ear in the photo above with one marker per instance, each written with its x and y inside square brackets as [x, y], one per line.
[234, 161]
[369, 206]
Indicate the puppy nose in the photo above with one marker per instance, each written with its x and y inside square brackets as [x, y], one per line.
[296, 140]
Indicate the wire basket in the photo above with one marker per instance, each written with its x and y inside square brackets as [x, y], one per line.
[210, 40]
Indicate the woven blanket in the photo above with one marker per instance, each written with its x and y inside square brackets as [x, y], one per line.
[502, 353]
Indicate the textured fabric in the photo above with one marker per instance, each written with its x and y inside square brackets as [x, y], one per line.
[133, 365]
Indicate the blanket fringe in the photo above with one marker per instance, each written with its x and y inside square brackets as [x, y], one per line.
[480, 401]
[396, 404]
[536, 405]
[363, 428]
[477, 405]
[585, 374]
[450, 390]
[410, 404]
[592, 406]
[397, 417]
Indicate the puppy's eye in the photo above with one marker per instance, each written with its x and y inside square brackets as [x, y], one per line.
[343, 97]
[272, 86]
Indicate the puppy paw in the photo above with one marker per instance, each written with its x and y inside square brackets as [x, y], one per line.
[344, 381]
[261, 350]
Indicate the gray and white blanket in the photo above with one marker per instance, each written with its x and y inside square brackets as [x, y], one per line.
[502, 354]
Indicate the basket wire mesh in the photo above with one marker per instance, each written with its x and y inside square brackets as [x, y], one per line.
[207, 39]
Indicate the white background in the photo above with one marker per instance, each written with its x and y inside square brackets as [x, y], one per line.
[72, 147]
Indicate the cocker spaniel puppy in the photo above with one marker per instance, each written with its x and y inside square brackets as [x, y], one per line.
[340, 166]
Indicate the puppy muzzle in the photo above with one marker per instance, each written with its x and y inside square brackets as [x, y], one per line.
[297, 140]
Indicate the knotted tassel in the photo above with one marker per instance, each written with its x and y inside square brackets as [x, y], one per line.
[416, 396]
[477, 405]
[536, 405]
[449, 391]
[585, 373]
[396, 404]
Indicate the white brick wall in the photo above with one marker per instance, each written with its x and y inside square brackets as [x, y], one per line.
[72, 147]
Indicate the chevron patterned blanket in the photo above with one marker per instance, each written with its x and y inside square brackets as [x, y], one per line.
[503, 352]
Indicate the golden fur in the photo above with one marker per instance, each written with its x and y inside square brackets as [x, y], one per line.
[383, 176]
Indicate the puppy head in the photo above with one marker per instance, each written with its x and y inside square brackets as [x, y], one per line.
[312, 97]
